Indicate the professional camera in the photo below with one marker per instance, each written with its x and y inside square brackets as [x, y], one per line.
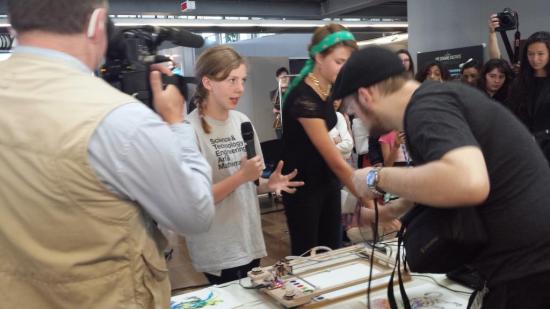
[507, 19]
[130, 53]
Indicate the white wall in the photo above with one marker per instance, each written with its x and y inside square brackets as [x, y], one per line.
[443, 24]
[255, 102]
[264, 56]
[291, 45]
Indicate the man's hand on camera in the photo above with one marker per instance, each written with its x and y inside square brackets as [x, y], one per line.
[169, 102]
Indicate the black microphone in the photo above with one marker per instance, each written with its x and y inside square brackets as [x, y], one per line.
[248, 136]
[180, 37]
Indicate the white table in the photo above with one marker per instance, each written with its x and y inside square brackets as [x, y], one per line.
[421, 290]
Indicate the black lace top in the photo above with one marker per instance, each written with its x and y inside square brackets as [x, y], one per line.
[298, 151]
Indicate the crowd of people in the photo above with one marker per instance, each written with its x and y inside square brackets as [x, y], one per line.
[447, 152]
[86, 184]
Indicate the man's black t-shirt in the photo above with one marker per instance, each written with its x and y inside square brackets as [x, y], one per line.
[444, 116]
[298, 150]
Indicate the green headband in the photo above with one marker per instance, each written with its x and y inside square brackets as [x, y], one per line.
[327, 42]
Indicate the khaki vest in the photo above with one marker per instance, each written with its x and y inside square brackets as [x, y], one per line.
[65, 240]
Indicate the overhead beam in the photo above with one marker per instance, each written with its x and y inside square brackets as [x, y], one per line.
[253, 26]
[260, 8]
[334, 8]
[255, 8]
[259, 26]
[384, 11]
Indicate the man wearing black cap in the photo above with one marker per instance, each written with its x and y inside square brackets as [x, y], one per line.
[459, 142]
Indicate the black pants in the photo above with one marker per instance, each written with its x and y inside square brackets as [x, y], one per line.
[314, 218]
[231, 274]
[529, 292]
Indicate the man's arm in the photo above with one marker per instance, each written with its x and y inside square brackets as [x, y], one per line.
[140, 158]
[155, 161]
[494, 50]
[459, 178]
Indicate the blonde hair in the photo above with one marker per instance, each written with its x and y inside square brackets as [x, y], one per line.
[392, 84]
[216, 64]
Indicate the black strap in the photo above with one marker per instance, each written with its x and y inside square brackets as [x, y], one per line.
[517, 39]
[472, 299]
[391, 296]
[404, 295]
[507, 45]
[513, 54]
[375, 233]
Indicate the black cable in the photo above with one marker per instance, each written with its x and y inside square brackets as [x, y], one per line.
[361, 231]
[441, 285]
[365, 240]
[375, 238]
[358, 215]
[386, 234]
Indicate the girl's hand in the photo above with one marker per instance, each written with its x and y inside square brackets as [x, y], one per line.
[251, 169]
[278, 182]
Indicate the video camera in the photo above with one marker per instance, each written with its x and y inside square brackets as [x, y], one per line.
[130, 53]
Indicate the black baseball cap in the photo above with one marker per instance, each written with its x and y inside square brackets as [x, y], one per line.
[364, 68]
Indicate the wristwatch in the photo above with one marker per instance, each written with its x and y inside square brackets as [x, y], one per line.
[372, 179]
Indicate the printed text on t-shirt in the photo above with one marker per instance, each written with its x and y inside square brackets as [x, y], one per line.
[226, 146]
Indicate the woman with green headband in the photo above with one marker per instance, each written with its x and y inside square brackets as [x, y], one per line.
[314, 211]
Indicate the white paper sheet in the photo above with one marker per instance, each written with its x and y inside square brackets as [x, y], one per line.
[219, 299]
[336, 276]
[431, 296]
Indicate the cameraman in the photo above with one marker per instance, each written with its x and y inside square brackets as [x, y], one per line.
[86, 169]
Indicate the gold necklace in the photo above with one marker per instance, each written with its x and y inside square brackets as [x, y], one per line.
[317, 84]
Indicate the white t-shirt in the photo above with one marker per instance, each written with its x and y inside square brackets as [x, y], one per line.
[341, 130]
[235, 237]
